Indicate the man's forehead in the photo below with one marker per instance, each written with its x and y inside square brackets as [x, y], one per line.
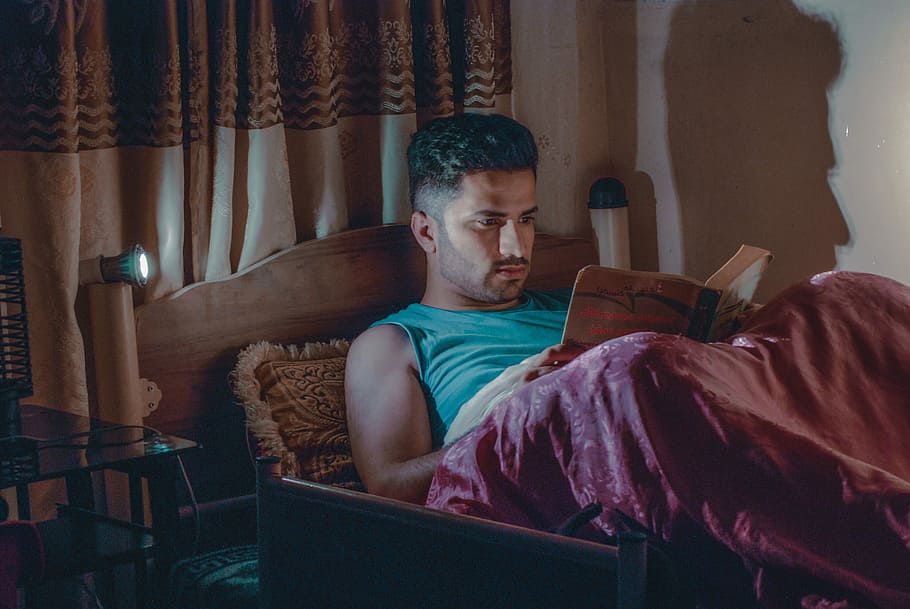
[497, 186]
[485, 176]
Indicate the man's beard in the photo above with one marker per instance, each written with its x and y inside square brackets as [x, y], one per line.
[457, 270]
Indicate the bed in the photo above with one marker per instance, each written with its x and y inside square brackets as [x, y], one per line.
[770, 470]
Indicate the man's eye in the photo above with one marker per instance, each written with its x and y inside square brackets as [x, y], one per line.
[527, 220]
[489, 221]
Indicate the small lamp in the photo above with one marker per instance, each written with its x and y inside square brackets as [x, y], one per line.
[109, 282]
[121, 394]
[130, 266]
[609, 210]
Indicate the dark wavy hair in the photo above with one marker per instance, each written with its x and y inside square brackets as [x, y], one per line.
[447, 149]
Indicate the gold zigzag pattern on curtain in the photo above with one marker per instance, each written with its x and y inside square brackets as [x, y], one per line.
[344, 82]
[312, 120]
[476, 101]
[328, 95]
[343, 104]
[346, 95]
[478, 74]
[61, 138]
[99, 127]
[343, 95]
[10, 124]
[88, 131]
[265, 107]
[13, 112]
[480, 90]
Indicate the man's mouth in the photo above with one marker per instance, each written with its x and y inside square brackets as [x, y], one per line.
[511, 271]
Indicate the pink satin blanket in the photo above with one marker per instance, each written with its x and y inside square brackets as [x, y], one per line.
[782, 454]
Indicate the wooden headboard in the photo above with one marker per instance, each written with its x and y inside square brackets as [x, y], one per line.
[332, 287]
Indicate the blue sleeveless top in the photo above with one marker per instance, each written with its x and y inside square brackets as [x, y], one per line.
[458, 352]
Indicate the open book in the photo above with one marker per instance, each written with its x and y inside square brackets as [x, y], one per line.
[608, 302]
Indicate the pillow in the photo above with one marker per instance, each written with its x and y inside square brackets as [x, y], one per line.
[294, 403]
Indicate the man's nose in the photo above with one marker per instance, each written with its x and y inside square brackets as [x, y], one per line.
[510, 244]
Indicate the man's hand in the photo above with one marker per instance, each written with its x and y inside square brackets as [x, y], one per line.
[552, 358]
[512, 378]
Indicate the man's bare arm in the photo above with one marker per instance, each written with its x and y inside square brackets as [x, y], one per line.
[387, 416]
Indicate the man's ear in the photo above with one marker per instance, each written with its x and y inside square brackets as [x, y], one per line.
[425, 231]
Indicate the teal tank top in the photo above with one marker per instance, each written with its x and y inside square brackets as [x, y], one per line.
[458, 352]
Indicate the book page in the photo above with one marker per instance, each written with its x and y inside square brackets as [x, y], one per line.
[738, 280]
[607, 303]
[744, 259]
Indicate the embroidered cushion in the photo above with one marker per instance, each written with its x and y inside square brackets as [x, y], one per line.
[294, 402]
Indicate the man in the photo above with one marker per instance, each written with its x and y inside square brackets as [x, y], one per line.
[472, 188]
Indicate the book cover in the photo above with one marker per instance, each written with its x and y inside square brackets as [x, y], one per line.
[607, 303]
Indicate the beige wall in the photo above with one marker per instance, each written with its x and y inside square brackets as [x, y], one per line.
[774, 122]
[560, 94]
[870, 128]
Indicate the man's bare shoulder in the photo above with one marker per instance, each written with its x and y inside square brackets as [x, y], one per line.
[385, 344]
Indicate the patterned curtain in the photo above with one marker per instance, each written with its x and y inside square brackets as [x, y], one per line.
[215, 132]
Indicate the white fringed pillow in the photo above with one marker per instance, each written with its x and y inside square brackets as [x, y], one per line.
[294, 402]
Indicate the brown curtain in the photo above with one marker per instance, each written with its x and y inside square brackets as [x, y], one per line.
[215, 133]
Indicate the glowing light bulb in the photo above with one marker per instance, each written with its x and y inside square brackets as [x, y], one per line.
[144, 266]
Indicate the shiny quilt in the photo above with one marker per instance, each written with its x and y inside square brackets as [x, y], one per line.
[776, 465]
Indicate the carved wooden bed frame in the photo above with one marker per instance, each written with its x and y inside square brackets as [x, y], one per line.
[399, 554]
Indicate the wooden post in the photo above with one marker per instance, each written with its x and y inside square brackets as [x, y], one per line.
[116, 379]
[115, 355]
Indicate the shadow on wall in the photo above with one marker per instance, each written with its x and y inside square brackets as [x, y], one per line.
[619, 40]
[747, 114]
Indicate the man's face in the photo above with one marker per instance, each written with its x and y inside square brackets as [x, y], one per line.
[485, 240]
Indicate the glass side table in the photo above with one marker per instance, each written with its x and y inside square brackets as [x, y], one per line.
[58, 445]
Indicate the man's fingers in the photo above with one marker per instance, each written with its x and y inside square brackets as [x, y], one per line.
[552, 358]
[560, 354]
